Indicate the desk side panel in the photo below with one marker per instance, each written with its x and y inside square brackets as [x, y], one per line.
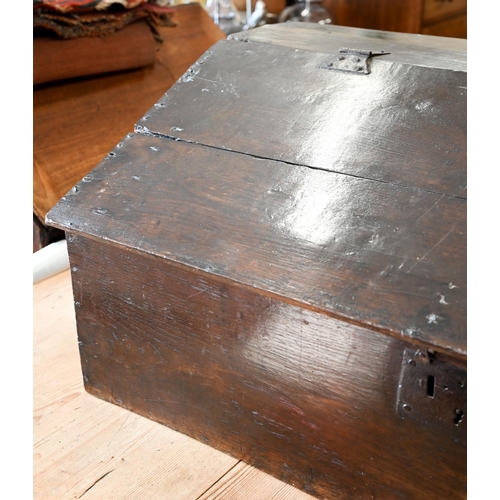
[303, 396]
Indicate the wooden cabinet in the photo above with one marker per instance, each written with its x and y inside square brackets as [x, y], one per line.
[429, 17]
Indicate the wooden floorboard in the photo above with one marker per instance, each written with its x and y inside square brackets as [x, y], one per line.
[244, 482]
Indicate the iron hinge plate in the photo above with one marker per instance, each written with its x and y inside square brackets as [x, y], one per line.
[352, 61]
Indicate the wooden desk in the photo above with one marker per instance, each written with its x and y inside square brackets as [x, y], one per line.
[87, 448]
[76, 122]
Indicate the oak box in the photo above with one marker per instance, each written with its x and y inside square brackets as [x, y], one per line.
[274, 261]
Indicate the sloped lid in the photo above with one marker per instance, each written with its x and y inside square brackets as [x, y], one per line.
[404, 123]
[305, 184]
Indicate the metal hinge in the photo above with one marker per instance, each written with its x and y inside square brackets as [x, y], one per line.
[353, 61]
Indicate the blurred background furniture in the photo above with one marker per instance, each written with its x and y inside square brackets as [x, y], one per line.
[428, 17]
[77, 121]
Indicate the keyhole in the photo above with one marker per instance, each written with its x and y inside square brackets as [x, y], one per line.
[431, 386]
[459, 415]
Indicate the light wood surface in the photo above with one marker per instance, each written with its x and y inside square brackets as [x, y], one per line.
[87, 448]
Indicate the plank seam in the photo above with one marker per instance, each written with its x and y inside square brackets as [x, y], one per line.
[139, 129]
[218, 480]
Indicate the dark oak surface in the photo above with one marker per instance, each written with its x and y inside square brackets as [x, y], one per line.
[429, 51]
[275, 264]
[402, 124]
[84, 447]
[307, 398]
[370, 252]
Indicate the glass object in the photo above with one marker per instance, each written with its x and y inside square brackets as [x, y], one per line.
[307, 11]
[225, 15]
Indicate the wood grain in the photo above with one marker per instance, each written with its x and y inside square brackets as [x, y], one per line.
[402, 124]
[279, 271]
[244, 482]
[272, 6]
[369, 252]
[85, 447]
[56, 58]
[438, 10]
[450, 27]
[429, 51]
[403, 16]
[302, 396]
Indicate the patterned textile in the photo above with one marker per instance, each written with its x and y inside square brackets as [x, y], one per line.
[83, 5]
[78, 18]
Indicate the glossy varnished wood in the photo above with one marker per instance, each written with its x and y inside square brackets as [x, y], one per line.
[402, 16]
[449, 27]
[55, 58]
[428, 51]
[305, 397]
[274, 263]
[370, 252]
[84, 447]
[438, 10]
[402, 124]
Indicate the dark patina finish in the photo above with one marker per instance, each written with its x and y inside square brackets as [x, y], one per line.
[274, 262]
